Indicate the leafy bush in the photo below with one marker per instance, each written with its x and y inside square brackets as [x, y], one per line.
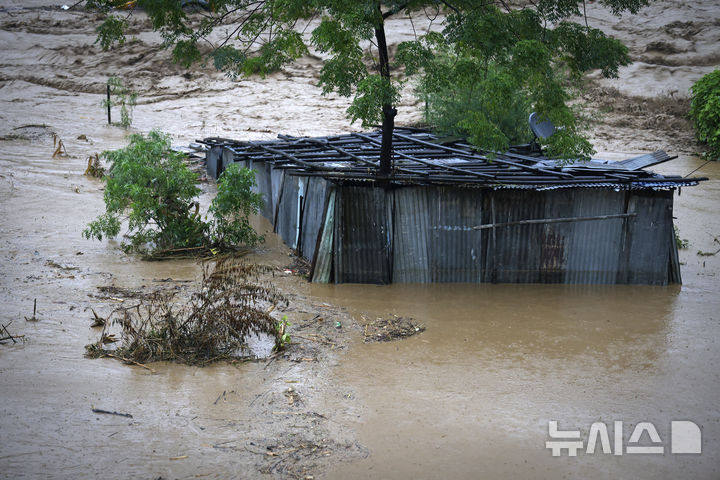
[150, 184]
[705, 111]
[232, 207]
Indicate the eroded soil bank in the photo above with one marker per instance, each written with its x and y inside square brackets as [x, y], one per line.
[469, 397]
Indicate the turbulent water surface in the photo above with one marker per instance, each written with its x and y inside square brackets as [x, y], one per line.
[470, 397]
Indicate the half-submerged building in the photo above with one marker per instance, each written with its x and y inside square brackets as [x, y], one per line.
[452, 214]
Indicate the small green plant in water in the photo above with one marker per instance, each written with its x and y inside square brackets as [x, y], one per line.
[282, 337]
[682, 243]
[121, 96]
[150, 186]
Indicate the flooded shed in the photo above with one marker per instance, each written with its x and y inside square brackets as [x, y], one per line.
[449, 213]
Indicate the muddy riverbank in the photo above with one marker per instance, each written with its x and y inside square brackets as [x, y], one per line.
[469, 397]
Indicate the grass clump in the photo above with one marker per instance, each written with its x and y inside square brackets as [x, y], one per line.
[230, 304]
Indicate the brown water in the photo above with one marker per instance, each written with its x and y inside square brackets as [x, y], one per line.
[470, 397]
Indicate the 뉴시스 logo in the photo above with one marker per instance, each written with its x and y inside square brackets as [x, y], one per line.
[685, 437]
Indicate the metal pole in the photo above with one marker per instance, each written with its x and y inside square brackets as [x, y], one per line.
[108, 104]
[552, 220]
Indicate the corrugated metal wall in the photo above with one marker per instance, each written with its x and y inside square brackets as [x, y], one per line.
[294, 205]
[513, 253]
[362, 239]
[323, 259]
[650, 238]
[288, 212]
[276, 182]
[423, 234]
[454, 247]
[595, 248]
[411, 263]
[263, 177]
[312, 218]
[554, 236]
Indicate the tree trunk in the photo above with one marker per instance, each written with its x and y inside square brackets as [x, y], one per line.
[388, 110]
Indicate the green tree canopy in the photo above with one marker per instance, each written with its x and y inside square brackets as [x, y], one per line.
[509, 53]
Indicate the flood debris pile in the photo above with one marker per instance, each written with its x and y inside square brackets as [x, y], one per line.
[214, 323]
[392, 328]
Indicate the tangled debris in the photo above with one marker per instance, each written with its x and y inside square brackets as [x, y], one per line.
[389, 329]
[230, 305]
[8, 335]
[298, 266]
[112, 292]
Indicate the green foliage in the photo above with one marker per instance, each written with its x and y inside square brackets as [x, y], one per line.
[682, 243]
[705, 111]
[482, 105]
[282, 336]
[373, 92]
[121, 96]
[502, 61]
[232, 207]
[150, 185]
[112, 30]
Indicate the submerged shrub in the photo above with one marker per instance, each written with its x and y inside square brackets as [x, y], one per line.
[232, 207]
[150, 185]
[705, 111]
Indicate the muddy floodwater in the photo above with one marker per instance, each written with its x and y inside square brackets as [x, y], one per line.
[470, 397]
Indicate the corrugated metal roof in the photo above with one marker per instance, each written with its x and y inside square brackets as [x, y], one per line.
[421, 158]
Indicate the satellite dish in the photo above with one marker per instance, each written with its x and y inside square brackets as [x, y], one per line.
[540, 129]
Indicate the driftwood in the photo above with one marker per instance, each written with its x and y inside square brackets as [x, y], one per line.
[10, 336]
[107, 412]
